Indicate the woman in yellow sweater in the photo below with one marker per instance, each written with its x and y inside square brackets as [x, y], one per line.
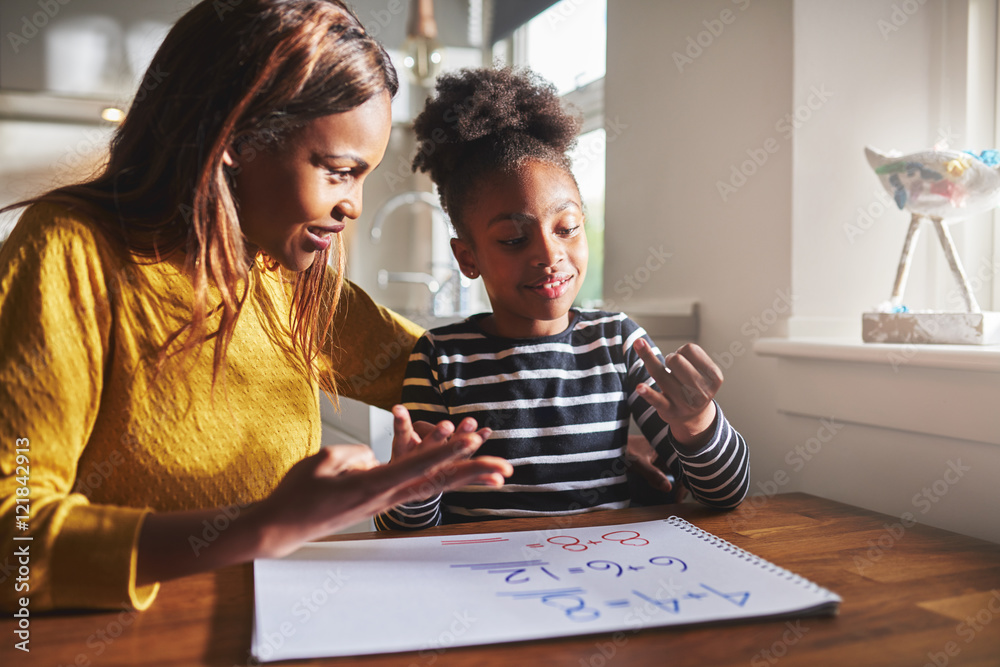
[165, 327]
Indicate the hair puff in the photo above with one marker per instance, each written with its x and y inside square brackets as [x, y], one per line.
[485, 120]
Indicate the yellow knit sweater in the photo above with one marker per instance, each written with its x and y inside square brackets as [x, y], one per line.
[103, 441]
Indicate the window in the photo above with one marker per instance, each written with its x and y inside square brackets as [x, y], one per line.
[567, 43]
[936, 80]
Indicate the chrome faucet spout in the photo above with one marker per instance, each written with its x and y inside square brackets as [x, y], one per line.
[404, 199]
[448, 296]
[412, 277]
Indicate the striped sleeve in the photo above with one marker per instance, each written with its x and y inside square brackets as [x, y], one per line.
[718, 475]
[645, 416]
[421, 387]
[422, 397]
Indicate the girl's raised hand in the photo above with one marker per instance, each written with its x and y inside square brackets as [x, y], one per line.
[688, 380]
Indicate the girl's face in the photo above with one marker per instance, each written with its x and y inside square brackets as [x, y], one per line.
[526, 239]
[294, 197]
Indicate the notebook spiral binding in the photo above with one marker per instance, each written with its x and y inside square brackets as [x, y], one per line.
[742, 554]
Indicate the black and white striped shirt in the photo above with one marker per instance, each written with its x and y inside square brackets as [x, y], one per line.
[559, 407]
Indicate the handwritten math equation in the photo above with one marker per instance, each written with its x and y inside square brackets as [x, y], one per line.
[562, 587]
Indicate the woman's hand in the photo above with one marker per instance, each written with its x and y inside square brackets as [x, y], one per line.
[342, 458]
[688, 381]
[319, 495]
[409, 438]
[336, 487]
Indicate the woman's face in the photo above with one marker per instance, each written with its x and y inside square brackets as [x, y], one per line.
[295, 196]
[528, 243]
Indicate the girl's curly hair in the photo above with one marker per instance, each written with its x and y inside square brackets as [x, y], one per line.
[486, 120]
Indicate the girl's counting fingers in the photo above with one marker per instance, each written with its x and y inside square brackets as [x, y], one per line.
[694, 388]
[422, 428]
[404, 438]
[467, 425]
[671, 390]
[440, 434]
[663, 405]
[653, 365]
[704, 364]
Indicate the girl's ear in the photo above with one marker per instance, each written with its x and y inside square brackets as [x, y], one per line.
[466, 258]
[228, 159]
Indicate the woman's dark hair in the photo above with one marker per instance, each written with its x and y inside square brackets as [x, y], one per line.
[486, 120]
[228, 75]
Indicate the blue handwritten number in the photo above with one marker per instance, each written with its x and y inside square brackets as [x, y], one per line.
[605, 565]
[573, 606]
[670, 604]
[510, 577]
[670, 560]
[738, 599]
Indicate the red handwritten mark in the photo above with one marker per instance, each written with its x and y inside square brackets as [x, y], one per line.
[485, 540]
[633, 539]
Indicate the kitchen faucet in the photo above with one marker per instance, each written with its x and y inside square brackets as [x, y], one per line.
[447, 297]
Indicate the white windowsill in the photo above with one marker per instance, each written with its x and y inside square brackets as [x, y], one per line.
[980, 358]
[948, 391]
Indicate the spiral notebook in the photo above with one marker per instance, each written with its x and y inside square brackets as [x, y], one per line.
[430, 593]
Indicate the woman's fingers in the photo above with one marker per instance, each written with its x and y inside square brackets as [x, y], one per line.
[496, 469]
[433, 470]
[422, 428]
[341, 485]
[437, 449]
[337, 459]
[482, 470]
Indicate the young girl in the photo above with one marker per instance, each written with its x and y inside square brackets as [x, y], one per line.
[555, 384]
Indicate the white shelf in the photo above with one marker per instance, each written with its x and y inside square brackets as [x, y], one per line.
[977, 358]
[948, 391]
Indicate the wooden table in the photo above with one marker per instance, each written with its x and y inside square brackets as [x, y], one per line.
[912, 596]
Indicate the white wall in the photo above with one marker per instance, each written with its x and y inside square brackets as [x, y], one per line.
[904, 83]
[778, 236]
[683, 130]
